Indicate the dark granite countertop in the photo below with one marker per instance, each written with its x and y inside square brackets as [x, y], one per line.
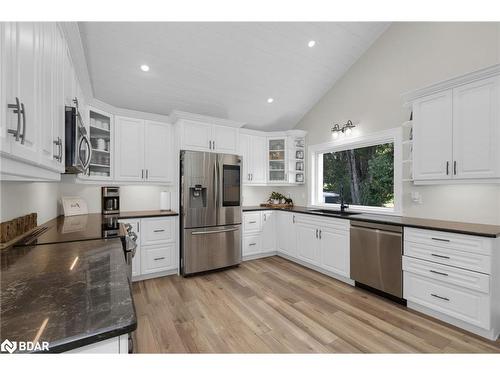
[483, 230]
[69, 294]
[89, 227]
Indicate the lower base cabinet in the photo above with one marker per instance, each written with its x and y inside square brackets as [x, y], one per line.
[157, 247]
[460, 285]
[114, 345]
[313, 241]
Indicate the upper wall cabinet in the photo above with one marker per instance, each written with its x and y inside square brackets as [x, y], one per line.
[33, 58]
[203, 136]
[253, 149]
[456, 129]
[143, 151]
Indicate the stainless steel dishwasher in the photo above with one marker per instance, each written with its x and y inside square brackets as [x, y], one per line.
[376, 256]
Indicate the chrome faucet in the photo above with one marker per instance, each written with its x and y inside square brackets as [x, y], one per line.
[343, 205]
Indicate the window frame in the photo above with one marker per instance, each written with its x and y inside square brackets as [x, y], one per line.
[393, 135]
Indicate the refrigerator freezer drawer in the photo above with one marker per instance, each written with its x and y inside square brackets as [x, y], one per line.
[211, 248]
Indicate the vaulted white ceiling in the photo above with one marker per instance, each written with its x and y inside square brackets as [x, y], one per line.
[226, 70]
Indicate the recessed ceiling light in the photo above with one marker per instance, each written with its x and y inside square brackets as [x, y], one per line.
[270, 100]
[311, 43]
[145, 68]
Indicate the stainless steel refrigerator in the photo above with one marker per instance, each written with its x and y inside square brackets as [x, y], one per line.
[210, 197]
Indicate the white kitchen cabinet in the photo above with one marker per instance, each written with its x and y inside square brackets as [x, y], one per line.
[286, 233]
[129, 149]
[277, 154]
[204, 136]
[456, 129]
[453, 277]
[23, 82]
[268, 220]
[432, 140]
[224, 139]
[252, 245]
[476, 130]
[114, 345]
[143, 151]
[158, 152]
[307, 243]
[253, 149]
[158, 258]
[334, 250]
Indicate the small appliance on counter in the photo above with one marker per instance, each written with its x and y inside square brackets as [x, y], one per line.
[110, 200]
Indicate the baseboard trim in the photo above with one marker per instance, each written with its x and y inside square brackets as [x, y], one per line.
[260, 255]
[488, 334]
[316, 268]
[174, 271]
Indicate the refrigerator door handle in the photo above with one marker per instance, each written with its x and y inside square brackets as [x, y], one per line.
[214, 231]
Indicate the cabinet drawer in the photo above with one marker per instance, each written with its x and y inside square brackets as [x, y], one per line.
[456, 276]
[251, 222]
[157, 258]
[330, 222]
[450, 257]
[455, 241]
[157, 230]
[457, 302]
[251, 245]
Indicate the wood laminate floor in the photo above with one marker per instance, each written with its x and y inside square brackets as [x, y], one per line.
[272, 305]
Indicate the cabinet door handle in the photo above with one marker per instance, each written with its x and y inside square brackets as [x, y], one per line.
[320, 234]
[159, 230]
[142, 174]
[265, 217]
[440, 256]
[252, 222]
[252, 244]
[437, 296]
[293, 219]
[213, 144]
[160, 258]
[447, 168]
[17, 110]
[316, 233]
[438, 273]
[440, 239]
[147, 174]
[58, 143]
[454, 167]
[23, 112]
[209, 145]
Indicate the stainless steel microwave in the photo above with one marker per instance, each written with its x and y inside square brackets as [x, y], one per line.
[78, 148]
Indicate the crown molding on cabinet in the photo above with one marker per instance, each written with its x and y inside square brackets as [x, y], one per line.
[71, 33]
[487, 72]
[124, 112]
[180, 115]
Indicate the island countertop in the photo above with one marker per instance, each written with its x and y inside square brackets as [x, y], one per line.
[68, 294]
[483, 230]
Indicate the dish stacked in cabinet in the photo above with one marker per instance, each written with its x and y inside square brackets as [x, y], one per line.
[156, 253]
[454, 278]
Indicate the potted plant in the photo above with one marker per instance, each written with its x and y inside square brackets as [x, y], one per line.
[275, 198]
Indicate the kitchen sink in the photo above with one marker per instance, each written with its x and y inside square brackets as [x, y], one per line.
[334, 212]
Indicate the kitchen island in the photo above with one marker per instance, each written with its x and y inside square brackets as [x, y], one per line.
[68, 294]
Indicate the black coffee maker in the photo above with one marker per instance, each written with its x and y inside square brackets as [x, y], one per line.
[110, 200]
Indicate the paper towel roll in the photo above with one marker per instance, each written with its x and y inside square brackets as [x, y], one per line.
[165, 200]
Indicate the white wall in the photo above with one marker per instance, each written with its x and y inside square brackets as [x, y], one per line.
[21, 198]
[409, 56]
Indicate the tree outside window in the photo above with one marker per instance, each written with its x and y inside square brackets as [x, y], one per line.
[366, 175]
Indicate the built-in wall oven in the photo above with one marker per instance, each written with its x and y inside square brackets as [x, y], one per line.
[210, 205]
[78, 151]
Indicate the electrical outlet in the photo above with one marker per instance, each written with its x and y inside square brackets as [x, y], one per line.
[416, 197]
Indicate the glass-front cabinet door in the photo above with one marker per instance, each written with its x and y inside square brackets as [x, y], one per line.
[101, 140]
[277, 164]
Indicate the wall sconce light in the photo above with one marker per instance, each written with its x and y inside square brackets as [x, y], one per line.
[346, 129]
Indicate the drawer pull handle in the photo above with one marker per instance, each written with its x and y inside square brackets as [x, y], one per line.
[440, 256]
[252, 222]
[159, 230]
[443, 298]
[439, 273]
[440, 239]
[252, 244]
[160, 258]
